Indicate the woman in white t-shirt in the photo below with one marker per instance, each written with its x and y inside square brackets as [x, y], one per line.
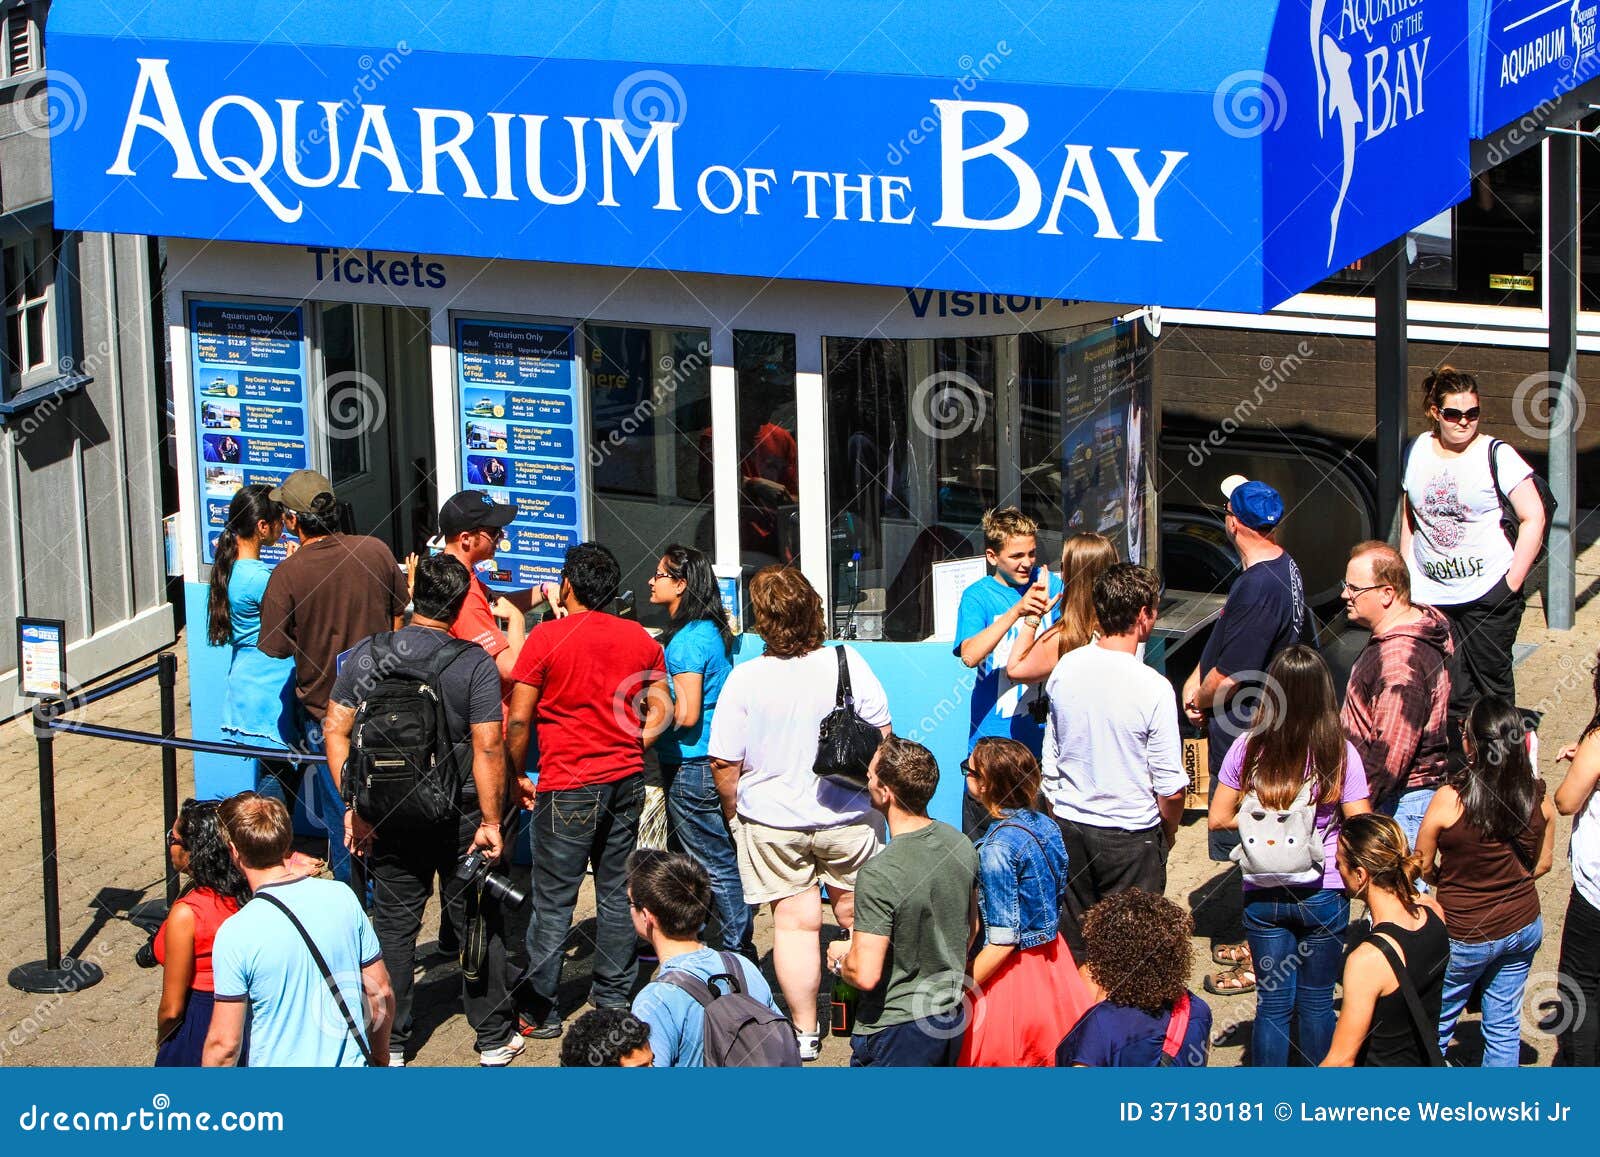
[1579, 970]
[791, 828]
[1461, 558]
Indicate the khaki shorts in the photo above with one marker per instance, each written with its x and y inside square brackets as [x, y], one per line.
[776, 863]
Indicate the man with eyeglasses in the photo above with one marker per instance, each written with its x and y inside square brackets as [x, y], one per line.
[472, 526]
[1396, 706]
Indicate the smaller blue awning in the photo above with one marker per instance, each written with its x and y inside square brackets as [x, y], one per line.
[1527, 53]
[1217, 154]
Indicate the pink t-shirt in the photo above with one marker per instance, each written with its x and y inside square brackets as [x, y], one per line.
[1231, 775]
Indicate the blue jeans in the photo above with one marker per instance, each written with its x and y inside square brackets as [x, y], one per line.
[1296, 940]
[1501, 968]
[574, 828]
[695, 826]
[1407, 810]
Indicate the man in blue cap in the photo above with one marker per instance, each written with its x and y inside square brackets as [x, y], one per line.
[1266, 611]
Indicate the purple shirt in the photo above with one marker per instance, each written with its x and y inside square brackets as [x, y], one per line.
[1231, 775]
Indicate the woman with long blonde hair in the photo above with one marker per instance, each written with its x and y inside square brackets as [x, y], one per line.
[1084, 558]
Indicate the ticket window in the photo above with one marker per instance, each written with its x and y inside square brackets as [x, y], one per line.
[649, 397]
[375, 418]
[912, 466]
[769, 450]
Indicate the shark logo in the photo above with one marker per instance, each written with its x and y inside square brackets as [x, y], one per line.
[1336, 99]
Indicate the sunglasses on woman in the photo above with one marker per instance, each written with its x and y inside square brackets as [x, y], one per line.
[1455, 416]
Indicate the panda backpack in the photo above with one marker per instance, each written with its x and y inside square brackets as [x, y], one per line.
[1279, 848]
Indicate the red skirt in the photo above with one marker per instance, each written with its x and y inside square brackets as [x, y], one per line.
[1026, 1009]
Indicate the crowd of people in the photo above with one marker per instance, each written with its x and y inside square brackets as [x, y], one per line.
[1038, 934]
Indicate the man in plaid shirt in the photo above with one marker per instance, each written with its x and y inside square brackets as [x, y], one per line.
[1394, 708]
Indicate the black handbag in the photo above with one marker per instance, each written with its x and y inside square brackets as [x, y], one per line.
[846, 742]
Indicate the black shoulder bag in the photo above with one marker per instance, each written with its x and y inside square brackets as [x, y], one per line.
[327, 973]
[846, 742]
[1510, 523]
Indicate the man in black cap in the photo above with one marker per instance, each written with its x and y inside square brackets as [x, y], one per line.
[471, 528]
[1266, 612]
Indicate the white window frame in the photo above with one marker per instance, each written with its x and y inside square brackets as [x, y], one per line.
[48, 367]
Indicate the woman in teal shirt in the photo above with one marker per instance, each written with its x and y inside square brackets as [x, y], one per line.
[699, 646]
[258, 706]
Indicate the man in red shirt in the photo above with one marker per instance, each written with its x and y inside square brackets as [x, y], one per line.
[581, 681]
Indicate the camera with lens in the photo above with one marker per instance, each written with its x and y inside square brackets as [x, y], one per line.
[474, 871]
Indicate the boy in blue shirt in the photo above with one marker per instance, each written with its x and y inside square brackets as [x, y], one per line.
[669, 895]
[994, 612]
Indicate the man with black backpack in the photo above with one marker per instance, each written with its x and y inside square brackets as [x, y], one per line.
[414, 742]
[705, 1008]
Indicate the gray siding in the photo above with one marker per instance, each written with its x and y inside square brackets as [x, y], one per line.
[80, 475]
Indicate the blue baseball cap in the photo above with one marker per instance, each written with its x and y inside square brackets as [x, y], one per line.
[1255, 504]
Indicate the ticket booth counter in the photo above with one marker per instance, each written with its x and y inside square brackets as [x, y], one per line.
[857, 432]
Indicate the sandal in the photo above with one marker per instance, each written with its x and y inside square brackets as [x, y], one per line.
[1232, 982]
[1231, 955]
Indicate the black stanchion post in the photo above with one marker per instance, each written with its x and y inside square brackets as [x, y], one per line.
[52, 974]
[167, 679]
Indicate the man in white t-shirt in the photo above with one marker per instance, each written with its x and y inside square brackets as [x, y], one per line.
[792, 828]
[1113, 766]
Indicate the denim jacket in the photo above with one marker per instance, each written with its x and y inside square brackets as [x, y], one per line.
[1020, 882]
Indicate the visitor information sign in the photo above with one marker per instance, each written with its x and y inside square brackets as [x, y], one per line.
[518, 384]
[251, 417]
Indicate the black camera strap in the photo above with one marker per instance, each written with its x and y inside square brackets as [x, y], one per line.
[327, 973]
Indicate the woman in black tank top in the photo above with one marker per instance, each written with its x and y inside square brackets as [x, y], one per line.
[1408, 948]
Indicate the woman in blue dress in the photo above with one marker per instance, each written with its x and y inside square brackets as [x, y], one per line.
[258, 707]
[699, 646]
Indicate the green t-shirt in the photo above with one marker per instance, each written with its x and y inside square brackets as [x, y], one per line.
[918, 893]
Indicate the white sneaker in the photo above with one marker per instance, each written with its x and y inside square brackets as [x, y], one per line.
[501, 1057]
[397, 1060]
[810, 1045]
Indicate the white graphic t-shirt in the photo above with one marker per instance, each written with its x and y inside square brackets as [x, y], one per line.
[1458, 551]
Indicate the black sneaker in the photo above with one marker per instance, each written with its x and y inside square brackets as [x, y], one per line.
[549, 1030]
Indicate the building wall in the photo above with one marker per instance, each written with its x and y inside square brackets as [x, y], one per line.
[81, 472]
[1324, 384]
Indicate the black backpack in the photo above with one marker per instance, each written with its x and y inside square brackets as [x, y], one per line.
[403, 770]
[740, 1031]
[1509, 522]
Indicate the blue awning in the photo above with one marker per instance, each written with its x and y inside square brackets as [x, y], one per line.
[1217, 154]
[1528, 52]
